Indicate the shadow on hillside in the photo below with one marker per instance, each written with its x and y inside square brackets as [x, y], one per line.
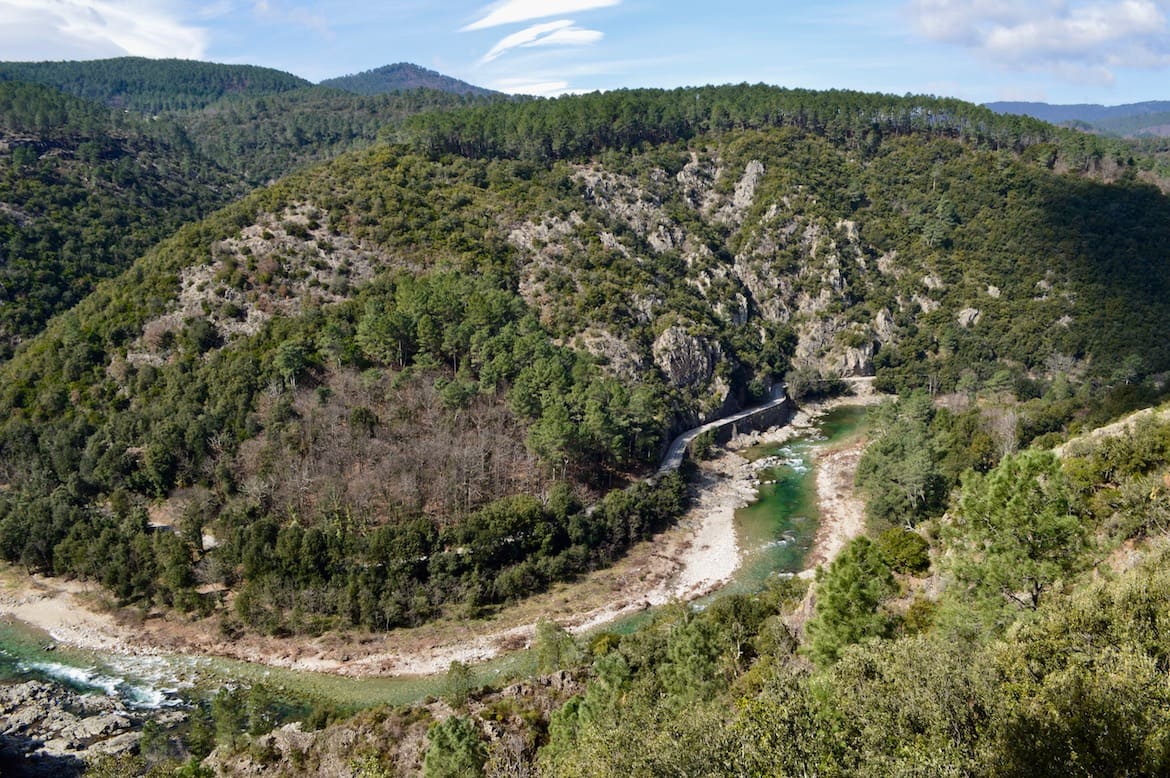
[1112, 242]
[17, 762]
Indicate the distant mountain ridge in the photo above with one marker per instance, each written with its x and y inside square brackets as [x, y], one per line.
[152, 85]
[1132, 119]
[403, 76]
[1084, 112]
[158, 85]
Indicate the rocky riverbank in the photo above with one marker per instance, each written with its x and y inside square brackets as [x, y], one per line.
[47, 729]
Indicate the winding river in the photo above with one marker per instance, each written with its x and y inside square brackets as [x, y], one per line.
[775, 534]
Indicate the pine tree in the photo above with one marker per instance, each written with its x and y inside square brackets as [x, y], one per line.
[848, 600]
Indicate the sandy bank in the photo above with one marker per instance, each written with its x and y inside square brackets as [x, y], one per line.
[842, 512]
[70, 612]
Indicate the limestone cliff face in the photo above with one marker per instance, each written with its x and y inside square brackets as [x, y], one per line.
[685, 359]
[690, 362]
[688, 268]
[746, 258]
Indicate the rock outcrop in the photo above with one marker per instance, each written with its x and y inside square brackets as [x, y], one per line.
[46, 729]
[687, 360]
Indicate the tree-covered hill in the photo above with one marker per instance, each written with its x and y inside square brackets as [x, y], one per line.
[387, 385]
[152, 86]
[84, 191]
[403, 77]
[261, 138]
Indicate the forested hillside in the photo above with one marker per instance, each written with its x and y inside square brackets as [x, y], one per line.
[428, 377]
[152, 86]
[280, 376]
[84, 191]
[259, 139]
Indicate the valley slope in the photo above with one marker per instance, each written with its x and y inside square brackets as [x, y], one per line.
[387, 386]
[101, 160]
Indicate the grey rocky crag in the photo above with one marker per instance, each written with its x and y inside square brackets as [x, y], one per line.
[47, 729]
[774, 267]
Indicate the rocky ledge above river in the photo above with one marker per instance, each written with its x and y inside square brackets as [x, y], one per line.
[48, 729]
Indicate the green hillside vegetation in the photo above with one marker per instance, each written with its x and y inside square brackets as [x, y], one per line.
[152, 86]
[86, 190]
[430, 377]
[977, 680]
[396, 347]
[1035, 649]
[388, 386]
[261, 138]
[628, 118]
[83, 193]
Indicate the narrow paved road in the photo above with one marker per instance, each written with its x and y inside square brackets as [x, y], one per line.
[678, 447]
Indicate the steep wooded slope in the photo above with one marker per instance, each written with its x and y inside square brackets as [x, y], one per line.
[333, 377]
[85, 191]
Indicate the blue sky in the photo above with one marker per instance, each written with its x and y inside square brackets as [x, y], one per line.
[1059, 51]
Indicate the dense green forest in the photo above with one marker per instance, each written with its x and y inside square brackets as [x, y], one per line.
[85, 191]
[618, 297]
[261, 138]
[152, 86]
[453, 347]
[625, 119]
[430, 376]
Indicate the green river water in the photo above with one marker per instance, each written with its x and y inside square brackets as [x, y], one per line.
[775, 533]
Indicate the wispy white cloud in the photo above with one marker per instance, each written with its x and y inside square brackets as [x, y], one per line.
[75, 29]
[559, 33]
[284, 13]
[516, 11]
[1077, 40]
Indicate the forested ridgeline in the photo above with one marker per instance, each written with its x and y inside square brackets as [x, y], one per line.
[626, 119]
[152, 86]
[385, 387]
